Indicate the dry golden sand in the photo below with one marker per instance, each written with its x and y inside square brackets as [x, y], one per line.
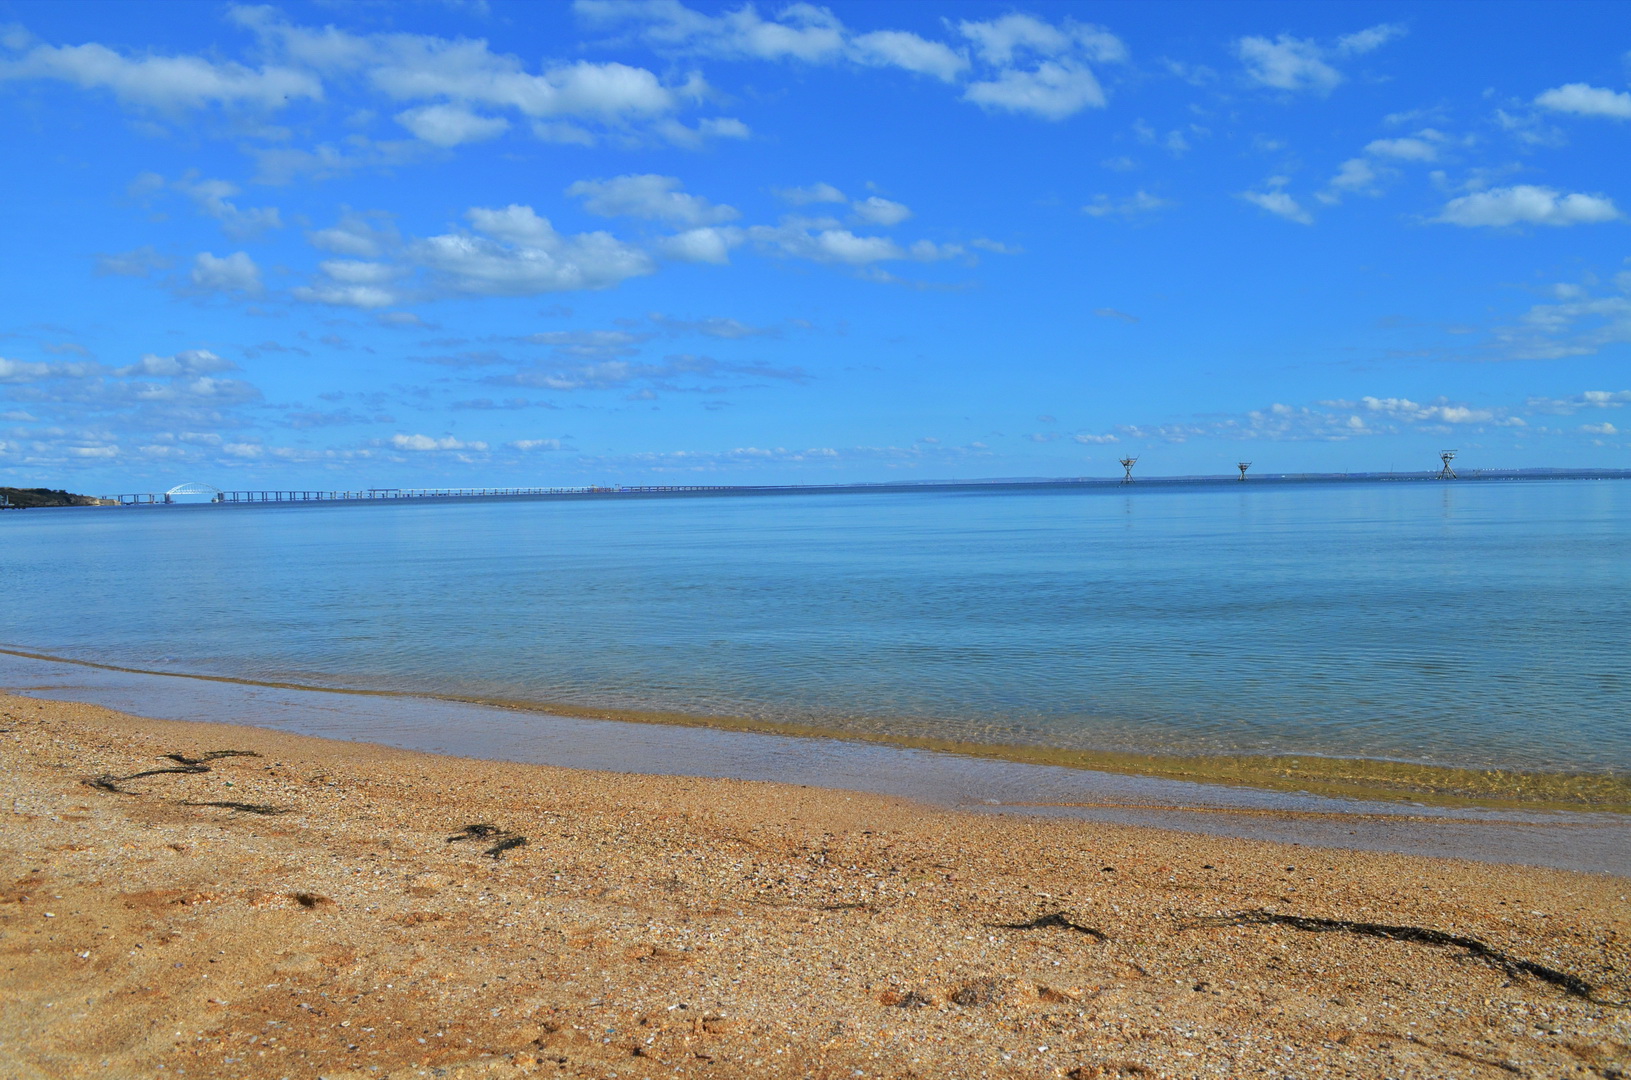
[670, 926]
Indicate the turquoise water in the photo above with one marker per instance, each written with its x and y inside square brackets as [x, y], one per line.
[1483, 624]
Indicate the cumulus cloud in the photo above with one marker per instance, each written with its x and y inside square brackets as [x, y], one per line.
[876, 211]
[896, 48]
[814, 193]
[360, 235]
[1590, 399]
[1577, 323]
[1366, 175]
[1527, 204]
[166, 83]
[1280, 204]
[799, 32]
[141, 262]
[450, 125]
[1025, 64]
[1140, 202]
[822, 240]
[528, 445]
[421, 443]
[17, 371]
[651, 197]
[713, 326]
[1040, 68]
[1582, 99]
[184, 363]
[212, 198]
[235, 273]
[704, 245]
[1367, 40]
[1287, 63]
[1418, 148]
[507, 251]
[1303, 64]
[679, 371]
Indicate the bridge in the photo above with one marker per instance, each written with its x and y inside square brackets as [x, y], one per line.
[219, 495]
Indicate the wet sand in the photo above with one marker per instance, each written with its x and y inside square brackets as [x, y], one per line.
[302, 912]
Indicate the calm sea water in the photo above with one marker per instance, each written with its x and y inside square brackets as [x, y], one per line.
[1484, 624]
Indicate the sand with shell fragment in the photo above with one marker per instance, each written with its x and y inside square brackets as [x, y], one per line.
[682, 927]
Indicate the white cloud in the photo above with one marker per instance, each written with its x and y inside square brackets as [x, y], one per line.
[460, 82]
[1600, 429]
[535, 444]
[705, 245]
[450, 125]
[651, 197]
[1095, 440]
[1140, 202]
[185, 363]
[1407, 149]
[876, 211]
[426, 442]
[514, 252]
[510, 251]
[673, 371]
[1030, 65]
[1590, 399]
[356, 234]
[141, 262]
[1579, 325]
[1364, 41]
[164, 82]
[1442, 412]
[231, 273]
[896, 48]
[823, 241]
[1050, 90]
[1355, 176]
[211, 197]
[1526, 204]
[802, 32]
[815, 193]
[1582, 99]
[23, 371]
[1040, 68]
[723, 127]
[1287, 63]
[1280, 204]
[1002, 41]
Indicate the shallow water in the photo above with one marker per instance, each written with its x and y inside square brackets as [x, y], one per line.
[1590, 842]
[1480, 624]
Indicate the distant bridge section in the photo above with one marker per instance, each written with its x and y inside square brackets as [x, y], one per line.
[218, 495]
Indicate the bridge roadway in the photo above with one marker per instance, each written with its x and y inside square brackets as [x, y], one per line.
[147, 498]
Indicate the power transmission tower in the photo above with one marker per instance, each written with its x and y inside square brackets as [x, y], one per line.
[1128, 463]
[1447, 473]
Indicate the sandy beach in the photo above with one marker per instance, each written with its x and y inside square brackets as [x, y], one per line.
[299, 907]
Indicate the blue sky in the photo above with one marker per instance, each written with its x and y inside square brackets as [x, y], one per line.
[627, 242]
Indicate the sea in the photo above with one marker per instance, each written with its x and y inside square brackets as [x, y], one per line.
[1467, 625]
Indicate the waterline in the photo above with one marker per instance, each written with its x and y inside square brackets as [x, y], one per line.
[1349, 778]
